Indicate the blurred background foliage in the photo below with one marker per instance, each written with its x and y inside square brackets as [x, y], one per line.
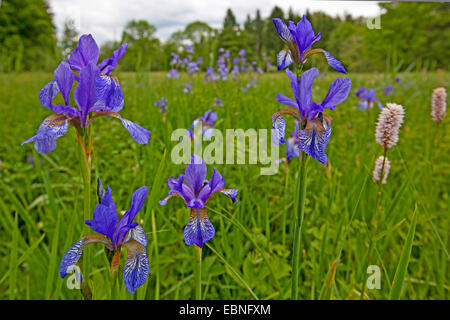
[413, 36]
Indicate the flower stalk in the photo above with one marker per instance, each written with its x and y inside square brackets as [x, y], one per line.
[300, 212]
[198, 272]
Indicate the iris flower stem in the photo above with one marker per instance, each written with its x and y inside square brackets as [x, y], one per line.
[84, 147]
[198, 272]
[300, 201]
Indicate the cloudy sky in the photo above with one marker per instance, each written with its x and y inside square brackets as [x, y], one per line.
[105, 19]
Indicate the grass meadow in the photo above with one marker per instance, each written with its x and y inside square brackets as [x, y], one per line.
[350, 222]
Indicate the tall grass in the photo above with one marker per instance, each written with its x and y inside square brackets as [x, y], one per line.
[41, 200]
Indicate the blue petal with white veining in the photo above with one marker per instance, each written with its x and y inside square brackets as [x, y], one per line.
[71, 258]
[137, 234]
[314, 140]
[199, 229]
[278, 130]
[47, 93]
[136, 268]
[50, 129]
[232, 193]
[333, 62]
[109, 92]
[284, 59]
[138, 133]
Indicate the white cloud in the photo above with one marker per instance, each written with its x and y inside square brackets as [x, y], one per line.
[105, 19]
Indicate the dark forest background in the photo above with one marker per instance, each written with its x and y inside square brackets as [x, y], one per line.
[413, 36]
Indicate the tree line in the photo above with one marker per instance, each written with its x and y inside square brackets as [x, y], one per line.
[412, 36]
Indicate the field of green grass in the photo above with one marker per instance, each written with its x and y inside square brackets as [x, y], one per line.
[344, 232]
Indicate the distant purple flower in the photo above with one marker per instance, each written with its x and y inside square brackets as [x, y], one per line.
[195, 193]
[162, 104]
[218, 103]
[367, 98]
[173, 74]
[299, 39]
[315, 125]
[97, 91]
[388, 90]
[210, 74]
[187, 88]
[192, 67]
[175, 59]
[119, 233]
[189, 49]
[203, 124]
[250, 84]
[398, 79]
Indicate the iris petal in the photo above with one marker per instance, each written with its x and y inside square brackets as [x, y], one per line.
[333, 62]
[314, 139]
[195, 173]
[283, 30]
[109, 92]
[284, 59]
[278, 130]
[136, 268]
[105, 216]
[85, 52]
[338, 92]
[47, 93]
[72, 255]
[199, 229]
[232, 193]
[138, 133]
[51, 128]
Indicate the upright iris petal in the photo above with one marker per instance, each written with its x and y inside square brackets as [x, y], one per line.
[85, 53]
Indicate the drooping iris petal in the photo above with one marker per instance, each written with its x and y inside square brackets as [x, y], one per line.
[47, 93]
[283, 30]
[278, 130]
[109, 64]
[138, 133]
[68, 110]
[286, 101]
[338, 92]
[178, 189]
[333, 62]
[314, 139]
[64, 78]
[195, 173]
[232, 193]
[105, 216]
[136, 268]
[85, 52]
[199, 229]
[284, 59]
[51, 128]
[72, 256]
[84, 93]
[109, 92]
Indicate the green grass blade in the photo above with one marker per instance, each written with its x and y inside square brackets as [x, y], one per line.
[404, 261]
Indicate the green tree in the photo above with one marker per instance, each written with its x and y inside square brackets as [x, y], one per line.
[27, 36]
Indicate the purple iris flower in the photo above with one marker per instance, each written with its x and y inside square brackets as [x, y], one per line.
[367, 98]
[218, 103]
[162, 104]
[173, 74]
[115, 234]
[192, 67]
[398, 79]
[210, 74]
[195, 193]
[187, 88]
[315, 125]
[299, 39]
[175, 59]
[388, 90]
[206, 123]
[96, 91]
[189, 48]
